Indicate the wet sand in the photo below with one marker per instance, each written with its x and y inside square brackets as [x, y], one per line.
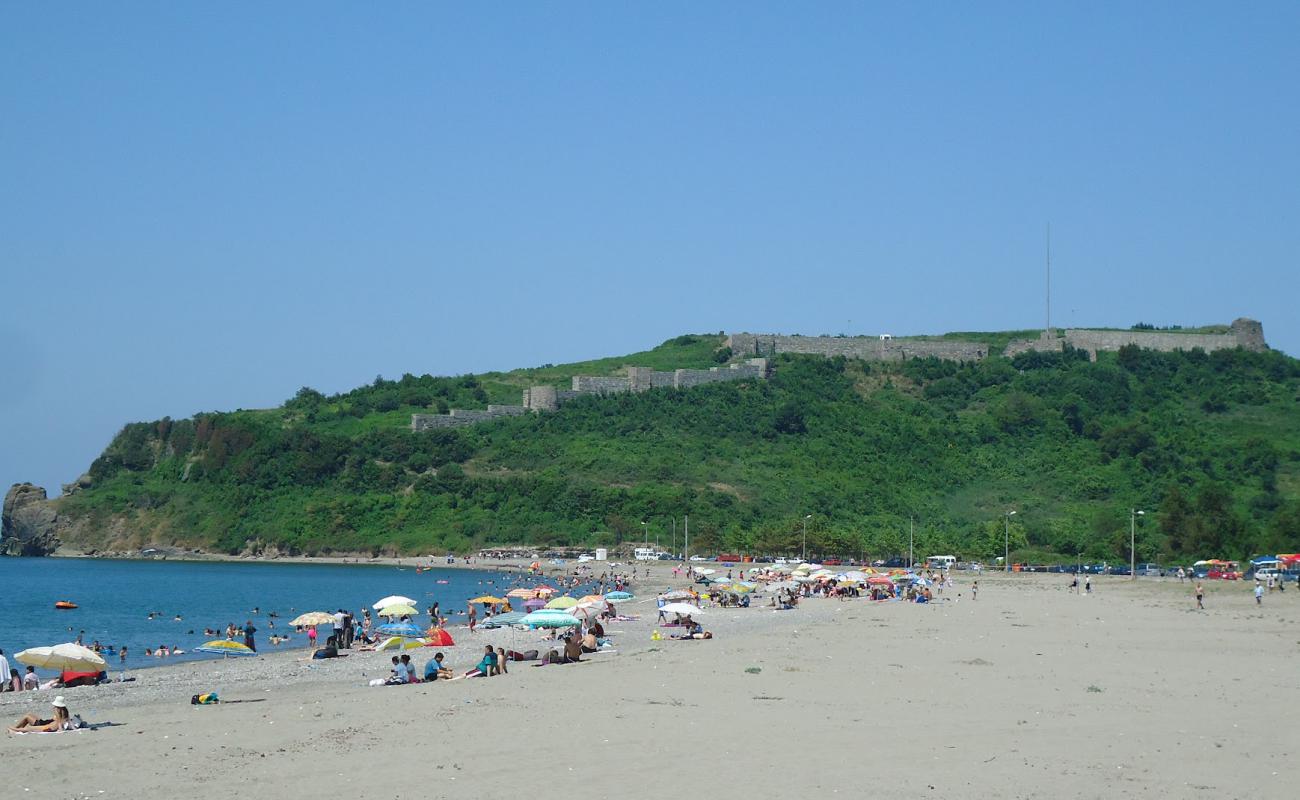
[1028, 692]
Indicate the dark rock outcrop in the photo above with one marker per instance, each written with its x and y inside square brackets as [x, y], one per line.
[28, 522]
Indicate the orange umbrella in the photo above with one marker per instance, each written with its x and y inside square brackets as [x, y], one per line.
[527, 594]
[591, 598]
[545, 590]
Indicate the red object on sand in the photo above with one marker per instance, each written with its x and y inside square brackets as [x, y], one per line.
[438, 637]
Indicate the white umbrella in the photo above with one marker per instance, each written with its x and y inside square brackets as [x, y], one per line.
[70, 656]
[685, 609]
[393, 600]
[703, 570]
[855, 575]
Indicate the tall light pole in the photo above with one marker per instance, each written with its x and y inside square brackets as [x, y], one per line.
[1133, 514]
[1006, 540]
[805, 537]
[911, 538]
[646, 533]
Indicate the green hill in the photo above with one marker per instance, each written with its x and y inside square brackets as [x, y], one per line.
[1209, 445]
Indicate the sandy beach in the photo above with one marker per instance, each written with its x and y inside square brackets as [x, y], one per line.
[1031, 691]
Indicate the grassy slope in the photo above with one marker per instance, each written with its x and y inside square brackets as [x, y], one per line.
[951, 446]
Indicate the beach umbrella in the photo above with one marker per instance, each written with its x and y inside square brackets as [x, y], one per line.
[684, 609]
[677, 594]
[591, 599]
[544, 589]
[402, 643]
[313, 618]
[501, 620]
[855, 575]
[704, 571]
[527, 594]
[534, 604]
[392, 600]
[439, 637]
[408, 629]
[225, 647]
[562, 602]
[879, 580]
[488, 599]
[69, 657]
[549, 619]
[399, 610]
[618, 596]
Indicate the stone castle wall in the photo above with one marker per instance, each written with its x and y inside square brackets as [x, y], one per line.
[548, 398]
[867, 348]
[1247, 334]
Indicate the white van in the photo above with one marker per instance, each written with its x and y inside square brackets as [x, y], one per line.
[940, 562]
[645, 554]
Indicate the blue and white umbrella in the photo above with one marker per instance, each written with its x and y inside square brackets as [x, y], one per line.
[549, 618]
[618, 596]
[408, 630]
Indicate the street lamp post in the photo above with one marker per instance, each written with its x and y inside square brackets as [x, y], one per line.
[1132, 542]
[911, 538]
[645, 533]
[1006, 540]
[805, 537]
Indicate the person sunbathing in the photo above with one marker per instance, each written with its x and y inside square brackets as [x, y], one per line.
[62, 720]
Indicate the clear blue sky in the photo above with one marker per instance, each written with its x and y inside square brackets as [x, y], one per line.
[207, 206]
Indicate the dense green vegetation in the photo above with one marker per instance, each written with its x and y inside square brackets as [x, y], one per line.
[1208, 445]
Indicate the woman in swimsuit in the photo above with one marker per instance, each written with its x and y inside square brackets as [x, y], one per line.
[33, 724]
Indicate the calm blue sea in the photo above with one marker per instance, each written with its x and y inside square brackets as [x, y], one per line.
[116, 597]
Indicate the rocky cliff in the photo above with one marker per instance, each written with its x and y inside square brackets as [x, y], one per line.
[29, 523]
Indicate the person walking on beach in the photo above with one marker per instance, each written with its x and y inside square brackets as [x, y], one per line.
[1259, 593]
[1087, 584]
[473, 617]
[1074, 584]
[121, 655]
[1200, 596]
[974, 590]
[4, 673]
[249, 630]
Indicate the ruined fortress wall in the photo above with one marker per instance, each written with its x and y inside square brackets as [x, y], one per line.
[590, 384]
[1244, 333]
[864, 347]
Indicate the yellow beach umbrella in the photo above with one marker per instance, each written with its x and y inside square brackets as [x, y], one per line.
[70, 657]
[562, 602]
[397, 610]
[225, 647]
[312, 618]
[488, 599]
[401, 643]
[527, 594]
[591, 599]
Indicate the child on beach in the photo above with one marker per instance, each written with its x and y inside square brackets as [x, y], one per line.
[1200, 596]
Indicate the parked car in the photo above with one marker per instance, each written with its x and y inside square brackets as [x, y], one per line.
[700, 558]
[1149, 570]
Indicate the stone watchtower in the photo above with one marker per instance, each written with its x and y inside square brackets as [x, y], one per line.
[1250, 334]
[541, 398]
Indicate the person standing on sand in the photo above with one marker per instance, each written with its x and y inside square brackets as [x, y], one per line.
[249, 630]
[1087, 584]
[1259, 593]
[1074, 584]
[1200, 596]
[473, 617]
[974, 590]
